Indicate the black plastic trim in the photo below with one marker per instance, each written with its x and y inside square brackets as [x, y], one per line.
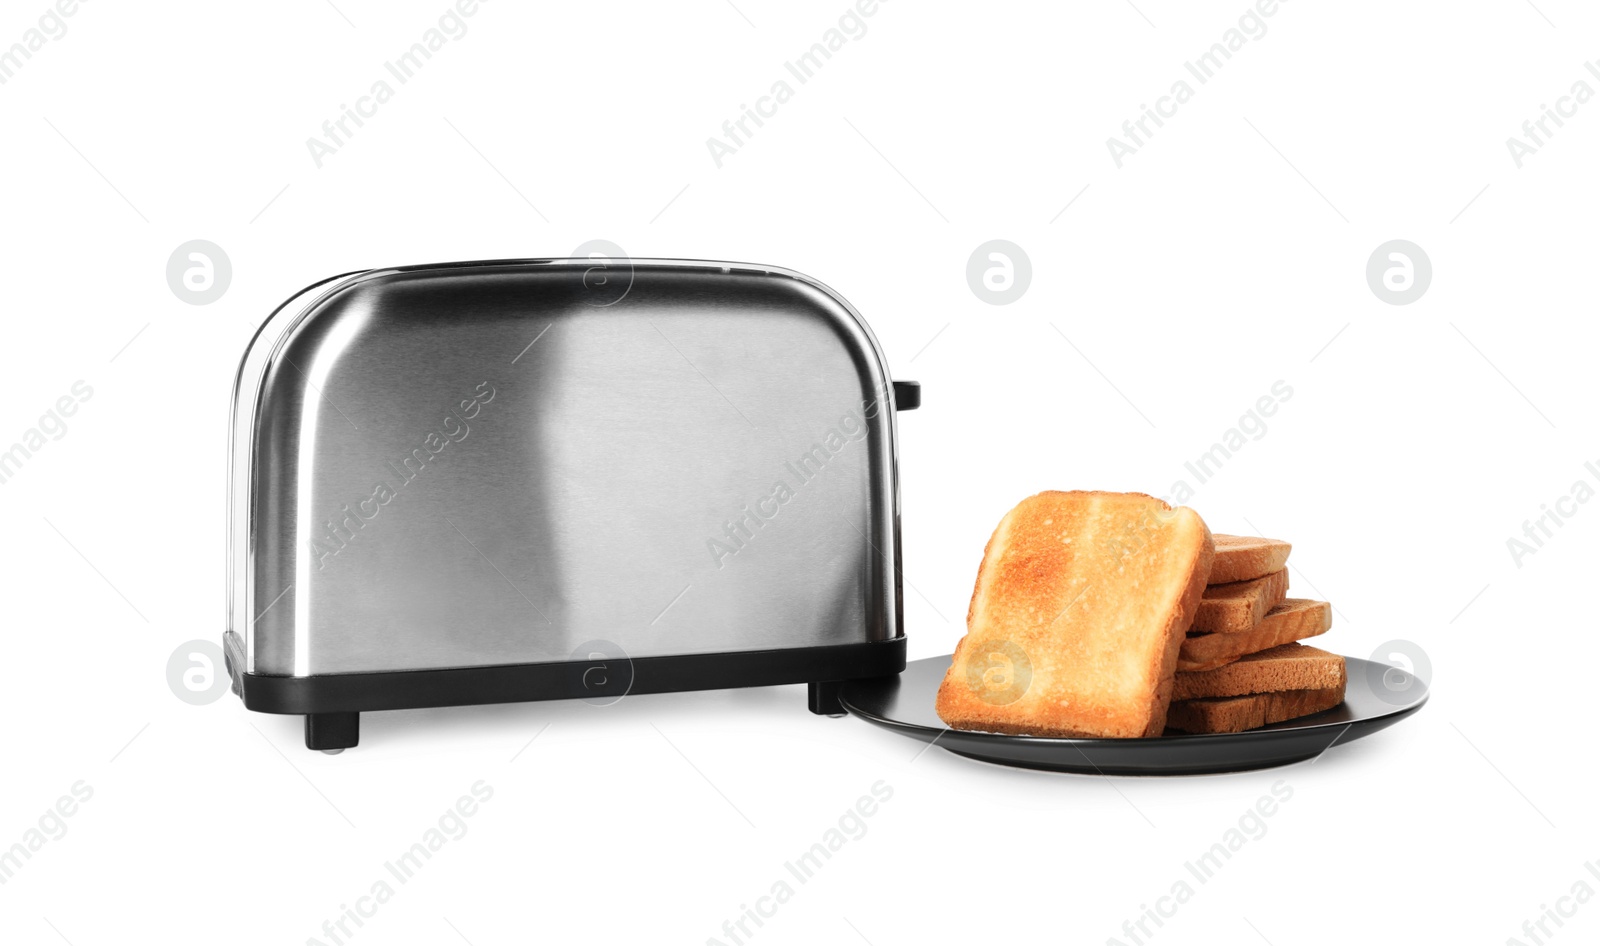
[333, 732]
[610, 678]
[907, 395]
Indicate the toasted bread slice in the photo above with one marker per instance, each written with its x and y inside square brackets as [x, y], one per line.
[1240, 605]
[1238, 713]
[1243, 557]
[1284, 667]
[1295, 619]
[1080, 606]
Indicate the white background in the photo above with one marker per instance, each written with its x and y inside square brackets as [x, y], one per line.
[1227, 254]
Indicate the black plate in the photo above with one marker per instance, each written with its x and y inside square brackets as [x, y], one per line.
[904, 704]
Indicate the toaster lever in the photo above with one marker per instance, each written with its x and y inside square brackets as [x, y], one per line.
[907, 395]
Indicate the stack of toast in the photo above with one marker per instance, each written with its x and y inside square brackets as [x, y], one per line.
[1239, 666]
[1116, 615]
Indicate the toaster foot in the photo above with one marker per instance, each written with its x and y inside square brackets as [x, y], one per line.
[332, 732]
[823, 697]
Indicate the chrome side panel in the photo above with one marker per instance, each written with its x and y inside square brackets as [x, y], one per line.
[504, 463]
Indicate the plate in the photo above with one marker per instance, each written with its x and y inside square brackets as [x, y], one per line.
[904, 704]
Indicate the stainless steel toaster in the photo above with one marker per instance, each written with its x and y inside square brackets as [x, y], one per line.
[559, 478]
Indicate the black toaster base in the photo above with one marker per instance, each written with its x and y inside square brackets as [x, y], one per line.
[332, 703]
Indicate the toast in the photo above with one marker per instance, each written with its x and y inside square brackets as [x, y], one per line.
[1243, 557]
[1285, 667]
[1240, 605]
[1238, 713]
[1079, 610]
[1295, 619]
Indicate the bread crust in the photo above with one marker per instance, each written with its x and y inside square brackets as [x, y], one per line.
[1243, 557]
[1240, 605]
[1088, 595]
[1239, 713]
[1295, 619]
[1285, 667]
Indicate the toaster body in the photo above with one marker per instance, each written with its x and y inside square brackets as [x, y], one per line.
[541, 479]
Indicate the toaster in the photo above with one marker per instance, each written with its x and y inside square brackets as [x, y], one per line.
[515, 480]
